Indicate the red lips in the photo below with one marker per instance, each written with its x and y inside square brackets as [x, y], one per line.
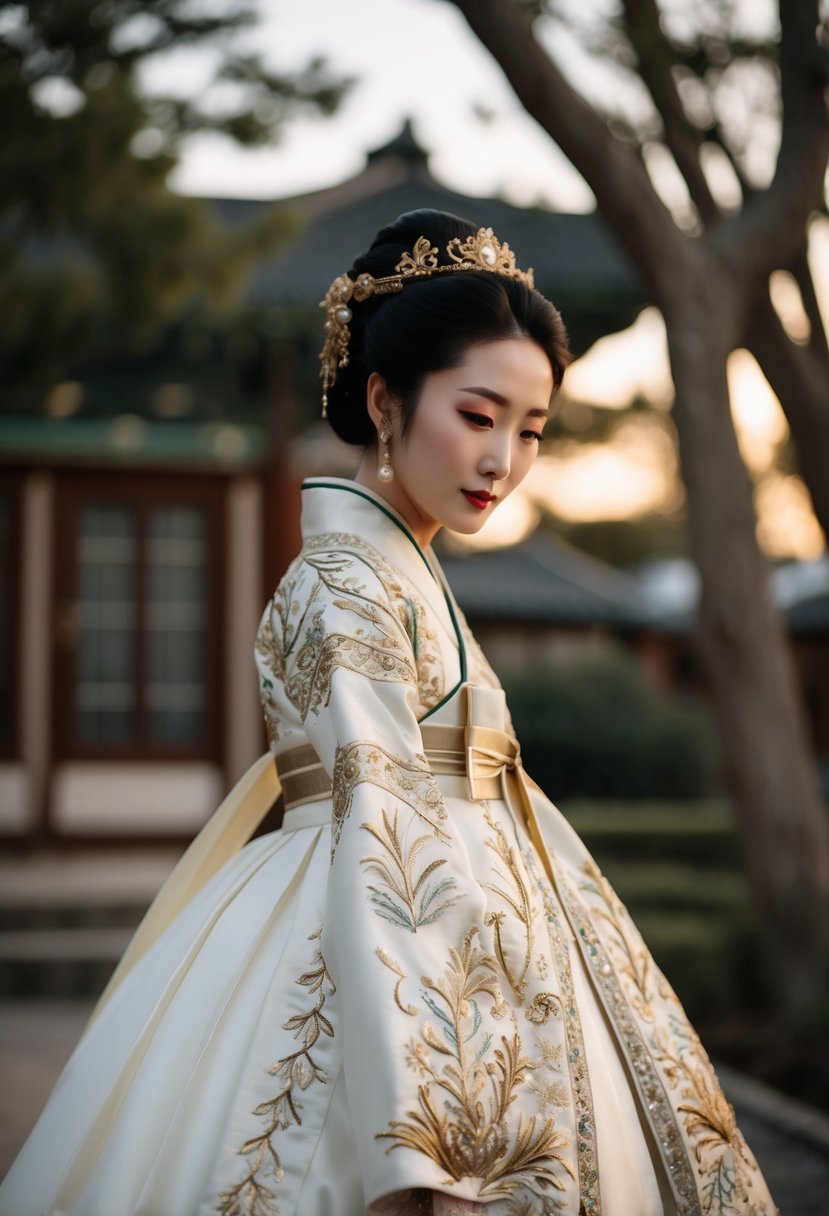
[478, 498]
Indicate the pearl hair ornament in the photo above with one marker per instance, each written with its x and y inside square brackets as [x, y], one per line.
[483, 251]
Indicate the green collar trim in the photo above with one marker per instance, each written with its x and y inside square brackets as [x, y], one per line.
[351, 489]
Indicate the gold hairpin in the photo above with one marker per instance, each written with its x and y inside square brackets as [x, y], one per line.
[483, 251]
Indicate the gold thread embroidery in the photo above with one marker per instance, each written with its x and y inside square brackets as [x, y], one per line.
[636, 964]
[268, 651]
[709, 1121]
[389, 962]
[541, 1007]
[644, 1071]
[521, 906]
[550, 1054]
[346, 565]
[409, 901]
[409, 779]
[722, 1175]
[397, 642]
[589, 1183]
[381, 651]
[472, 1139]
[377, 657]
[552, 1095]
[252, 1196]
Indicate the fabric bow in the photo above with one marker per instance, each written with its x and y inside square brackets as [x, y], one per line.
[489, 753]
[494, 770]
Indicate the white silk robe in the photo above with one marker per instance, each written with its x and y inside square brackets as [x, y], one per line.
[409, 987]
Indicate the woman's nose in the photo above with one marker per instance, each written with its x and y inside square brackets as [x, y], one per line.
[496, 460]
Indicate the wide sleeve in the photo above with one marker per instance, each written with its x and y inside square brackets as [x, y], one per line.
[418, 997]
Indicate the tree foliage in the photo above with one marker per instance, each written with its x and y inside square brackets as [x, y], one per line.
[92, 240]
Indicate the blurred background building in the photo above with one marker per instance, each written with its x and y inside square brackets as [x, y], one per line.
[149, 506]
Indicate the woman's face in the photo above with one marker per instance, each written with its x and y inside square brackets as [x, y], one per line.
[473, 437]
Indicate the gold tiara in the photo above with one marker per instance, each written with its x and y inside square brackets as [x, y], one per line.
[483, 251]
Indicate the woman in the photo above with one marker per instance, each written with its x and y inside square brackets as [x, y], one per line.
[420, 995]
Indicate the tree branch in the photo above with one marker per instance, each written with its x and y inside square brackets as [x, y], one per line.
[614, 172]
[655, 56]
[770, 227]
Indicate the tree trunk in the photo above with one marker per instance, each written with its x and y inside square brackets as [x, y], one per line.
[745, 656]
[702, 287]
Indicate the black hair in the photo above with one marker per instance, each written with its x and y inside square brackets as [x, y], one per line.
[429, 325]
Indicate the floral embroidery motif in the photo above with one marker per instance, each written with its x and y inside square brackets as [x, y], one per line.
[270, 653]
[541, 1007]
[387, 961]
[709, 1121]
[636, 962]
[550, 1054]
[252, 1195]
[471, 1137]
[400, 643]
[648, 1080]
[520, 904]
[409, 900]
[552, 1095]
[589, 1184]
[410, 780]
[527, 1205]
[376, 650]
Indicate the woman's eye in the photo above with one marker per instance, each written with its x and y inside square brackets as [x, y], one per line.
[533, 436]
[479, 420]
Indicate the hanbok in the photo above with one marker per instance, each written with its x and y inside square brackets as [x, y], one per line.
[422, 981]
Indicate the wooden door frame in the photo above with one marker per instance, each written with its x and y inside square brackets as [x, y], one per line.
[144, 488]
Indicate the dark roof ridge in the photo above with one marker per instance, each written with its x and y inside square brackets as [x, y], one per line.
[592, 570]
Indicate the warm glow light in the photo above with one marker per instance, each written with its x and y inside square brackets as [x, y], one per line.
[758, 419]
[788, 304]
[622, 480]
[786, 525]
[819, 264]
[620, 367]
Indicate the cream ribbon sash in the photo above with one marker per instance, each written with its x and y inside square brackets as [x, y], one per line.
[229, 828]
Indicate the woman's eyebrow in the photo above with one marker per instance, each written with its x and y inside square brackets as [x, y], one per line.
[491, 395]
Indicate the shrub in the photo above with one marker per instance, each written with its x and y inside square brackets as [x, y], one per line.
[595, 728]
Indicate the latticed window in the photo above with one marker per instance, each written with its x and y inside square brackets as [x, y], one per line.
[138, 629]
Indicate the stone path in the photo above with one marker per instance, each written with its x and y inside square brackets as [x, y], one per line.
[791, 1141]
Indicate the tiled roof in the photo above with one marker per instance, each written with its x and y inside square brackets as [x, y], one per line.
[543, 580]
[570, 253]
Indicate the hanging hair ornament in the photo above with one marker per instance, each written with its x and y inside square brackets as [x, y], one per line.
[384, 470]
[483, 251]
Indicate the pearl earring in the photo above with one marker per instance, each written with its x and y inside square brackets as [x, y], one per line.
[384, 471]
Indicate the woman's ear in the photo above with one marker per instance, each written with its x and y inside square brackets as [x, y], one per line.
[379, 401]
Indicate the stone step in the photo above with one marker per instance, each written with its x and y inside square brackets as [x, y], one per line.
[65, 963]
[66, 918]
